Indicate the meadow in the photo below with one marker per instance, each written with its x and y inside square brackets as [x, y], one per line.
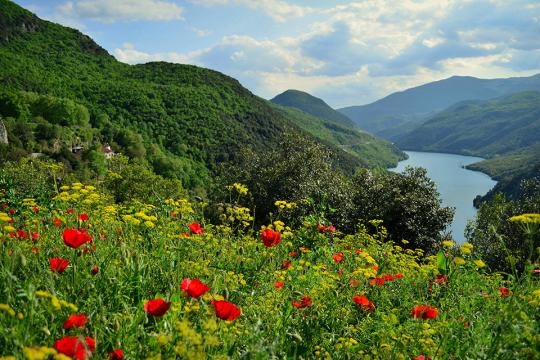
[84, 277]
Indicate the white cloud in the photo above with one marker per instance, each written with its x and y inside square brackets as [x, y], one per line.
[278, 10]
[108, 11]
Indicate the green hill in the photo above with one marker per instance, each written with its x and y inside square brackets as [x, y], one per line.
[505, 130]
[183, 120]
[312, 105]
[402, 111]
[363, 147]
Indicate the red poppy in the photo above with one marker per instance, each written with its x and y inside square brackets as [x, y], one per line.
[358, 251]
[76, 346]
[194, 287]
[321, 227]
[225, 310]
[83, 217]
[376, 281]
[156, 307]
[35, 235]
[94, 270]
[306, 301]
[286, 264]
[278, 284]
[375, 267]
[58, 264]
[331, 228]
[398, 275]
[270, 237]
[56, 221]
[292, 254]
[364, 303]
[12, 211]
[75, 321]
[70, 211]
[422, 357]
[75, 237]
[196, 228]
[504, 291]
[35, 209]
[338, 257]
[388, 277]
[441, 279]
[117, 354]
[424, 312]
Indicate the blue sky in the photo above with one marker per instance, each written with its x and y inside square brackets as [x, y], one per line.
[346, 52]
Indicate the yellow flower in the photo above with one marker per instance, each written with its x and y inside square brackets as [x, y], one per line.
[9, 228]
[448, 243]
[7, 309]
[479, 263]
[38, 353]
[459, 261]
[526, 218]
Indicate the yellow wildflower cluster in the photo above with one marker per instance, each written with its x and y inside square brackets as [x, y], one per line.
[448, 243]
[526, 218]
[236, 213]
[4, 217]
[41, 353]
[7, 309]
[285, 205]
[346, 343]
[56, 303]
[239, 188]
[466, 248]
[78, 192]
[181, 206]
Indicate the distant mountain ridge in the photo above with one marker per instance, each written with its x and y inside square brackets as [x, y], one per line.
[401, 111]
[312, 105]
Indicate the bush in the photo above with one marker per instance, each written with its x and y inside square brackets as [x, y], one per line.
[502, 243]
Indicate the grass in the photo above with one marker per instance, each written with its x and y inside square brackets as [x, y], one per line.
[144, 251]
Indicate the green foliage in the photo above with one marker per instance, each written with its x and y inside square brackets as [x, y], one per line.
[501, 243]
[312, 105]
[299, 171]
[408, 204]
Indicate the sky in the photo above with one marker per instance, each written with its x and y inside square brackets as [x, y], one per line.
[345, 52]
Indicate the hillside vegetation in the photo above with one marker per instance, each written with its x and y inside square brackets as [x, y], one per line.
[182, 120]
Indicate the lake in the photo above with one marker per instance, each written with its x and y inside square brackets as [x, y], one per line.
[458, 186]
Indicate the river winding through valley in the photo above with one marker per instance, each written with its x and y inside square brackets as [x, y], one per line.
[458, 186]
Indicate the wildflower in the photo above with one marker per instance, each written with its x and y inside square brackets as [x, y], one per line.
[448, 243]
[278, 284]
[117, 354]
[286, 264]
[75, 237]
[58, 264]
[69, 211]
[441, 279]
[479, 263]
[94, 270]
[194, 287]
[75, 321]
[459, 261]
[306, 301]
[37, 353]
[7, 309]
[196, 228]
[226, 310]
[364, 303]
[422, 357]
[466, 248]
[388, 277]
[156, 307]
[424, 312]
[76, 346]
[270, 237]
[83, 217]
[338, 257]
[321, 227]
[358, 251]
[376, 281]
[398, 275]
[292, 254]
[504, 291]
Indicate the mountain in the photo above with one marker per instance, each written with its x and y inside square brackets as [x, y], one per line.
[312, 105]
[400, 112]
[61, 93]
[505, 130]
[367, 149]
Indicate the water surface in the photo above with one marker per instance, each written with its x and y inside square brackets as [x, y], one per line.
[458, 186]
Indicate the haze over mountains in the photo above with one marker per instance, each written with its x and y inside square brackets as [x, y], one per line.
[400, 112]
